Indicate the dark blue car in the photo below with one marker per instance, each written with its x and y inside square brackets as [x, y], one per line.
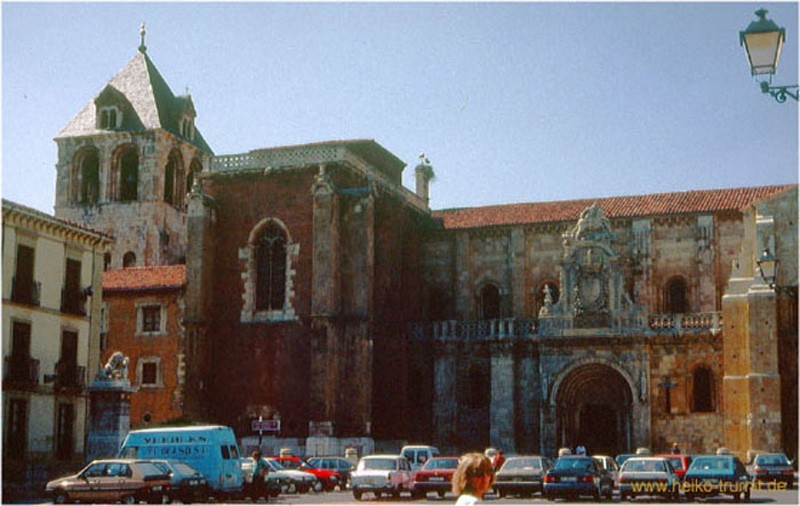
[575, 476]
[711, 475]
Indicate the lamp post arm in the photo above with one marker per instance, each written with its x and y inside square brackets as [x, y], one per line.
[779, 93]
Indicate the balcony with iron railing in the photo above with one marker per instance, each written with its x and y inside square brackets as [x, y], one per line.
[69, 376]
[73, 302]
[534, 328]
[25, 291]
[21, 371]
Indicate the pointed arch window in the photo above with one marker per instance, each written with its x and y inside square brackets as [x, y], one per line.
[194, 169]
[129, 175]
[271, 269]
[268, 261]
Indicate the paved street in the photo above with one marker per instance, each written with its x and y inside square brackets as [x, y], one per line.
[786, 497]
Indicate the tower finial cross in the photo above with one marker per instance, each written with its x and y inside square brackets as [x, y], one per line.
[142, 32]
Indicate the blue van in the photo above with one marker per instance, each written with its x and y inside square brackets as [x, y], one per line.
[211, 449]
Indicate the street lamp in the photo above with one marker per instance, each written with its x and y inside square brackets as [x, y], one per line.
[762, 41]
[768, 267]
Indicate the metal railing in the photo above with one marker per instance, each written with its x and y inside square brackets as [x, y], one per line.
[70, 376]
[22, 371]
[73, 302]
[25, 291]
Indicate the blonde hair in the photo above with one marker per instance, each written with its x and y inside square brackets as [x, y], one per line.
[471, 465]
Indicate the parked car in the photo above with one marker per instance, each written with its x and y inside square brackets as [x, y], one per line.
[622, 457]
[339, 464]
[773, 467]
[114, 480]
[610, 465]
[417, 455]
[300, 481]
[521, 476]
[275, 481]
[573, 476]
[326, 479]
[187, 484]
[711, 475]
[435, 476]
[651, 476]
[680, 463]
[382, 474]
[211, 449]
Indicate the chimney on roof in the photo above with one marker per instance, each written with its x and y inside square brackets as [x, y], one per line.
[424, 174]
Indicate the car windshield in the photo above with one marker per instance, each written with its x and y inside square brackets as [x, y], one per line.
[441, 464]
[711, 464]
[275, 465]
[184, 469]
[378, 464]
[291, 464]
[644, 466]
[523, 464]
[579, 464]
[676, 463]
[772, 460]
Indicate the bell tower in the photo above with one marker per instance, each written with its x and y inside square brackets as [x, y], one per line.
[126, 162]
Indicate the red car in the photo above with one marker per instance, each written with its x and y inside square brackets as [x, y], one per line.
[680, 463]
[435, 476]
[326, 480]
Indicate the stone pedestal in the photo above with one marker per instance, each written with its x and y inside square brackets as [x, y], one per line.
[110, 417]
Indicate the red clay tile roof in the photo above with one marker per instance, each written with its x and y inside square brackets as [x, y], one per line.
[701, 201]
[144, 278]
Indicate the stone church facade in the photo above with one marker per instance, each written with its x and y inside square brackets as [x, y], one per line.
[321, 292]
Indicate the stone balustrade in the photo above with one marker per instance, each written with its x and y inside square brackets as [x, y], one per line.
[529, 328]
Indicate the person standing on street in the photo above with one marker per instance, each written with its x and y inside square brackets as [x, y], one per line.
[260, 469]
[474, 477]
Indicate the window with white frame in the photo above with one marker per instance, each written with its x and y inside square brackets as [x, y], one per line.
[151, 318]
[148, 372]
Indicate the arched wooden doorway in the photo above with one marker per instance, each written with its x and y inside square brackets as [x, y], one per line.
[593, 409]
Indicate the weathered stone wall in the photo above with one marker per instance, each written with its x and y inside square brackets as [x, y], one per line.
[152, 229]
[674, 359]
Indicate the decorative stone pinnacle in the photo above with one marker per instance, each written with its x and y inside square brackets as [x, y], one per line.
[142, 32]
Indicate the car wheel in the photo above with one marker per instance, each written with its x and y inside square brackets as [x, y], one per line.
[318, 486]
[357, 495]
[61, 497]
[129, 499]
[302, 489]
[441, 494]
[417, 495]
[377, 495]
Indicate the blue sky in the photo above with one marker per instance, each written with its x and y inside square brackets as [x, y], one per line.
[514, 102]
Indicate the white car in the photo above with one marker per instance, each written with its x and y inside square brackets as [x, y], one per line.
[653, 476]
[299, 481]
[382, 474]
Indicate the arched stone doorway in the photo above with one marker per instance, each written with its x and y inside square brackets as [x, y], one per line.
[593, 408]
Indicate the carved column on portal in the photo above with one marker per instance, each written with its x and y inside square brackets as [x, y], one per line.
[110, 408]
